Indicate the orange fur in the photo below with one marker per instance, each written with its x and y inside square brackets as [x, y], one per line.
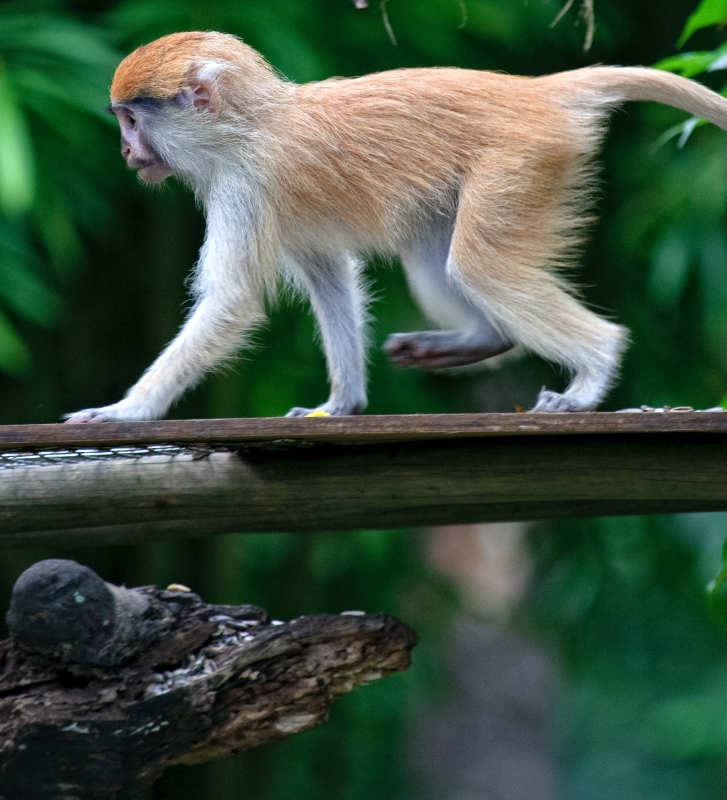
[160, 69]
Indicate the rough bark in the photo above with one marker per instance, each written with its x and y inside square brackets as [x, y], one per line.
[102, 687]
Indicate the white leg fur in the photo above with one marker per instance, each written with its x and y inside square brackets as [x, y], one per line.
[551, 323]
[339, 304]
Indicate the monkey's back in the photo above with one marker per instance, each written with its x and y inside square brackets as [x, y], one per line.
[396, 145]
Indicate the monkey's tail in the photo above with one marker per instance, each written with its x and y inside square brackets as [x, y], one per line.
[614, 85]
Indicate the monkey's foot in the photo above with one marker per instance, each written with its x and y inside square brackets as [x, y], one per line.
[333, 408]
[552, 401]
[431, 350]
[299, 411]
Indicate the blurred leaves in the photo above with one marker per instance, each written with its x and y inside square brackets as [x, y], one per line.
[17, 180]
[689, 65]
[645, 704]
[690, 726]
[709, 12]
[717, 592]
[53, 72]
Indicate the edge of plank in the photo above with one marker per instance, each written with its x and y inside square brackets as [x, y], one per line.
[363, 429]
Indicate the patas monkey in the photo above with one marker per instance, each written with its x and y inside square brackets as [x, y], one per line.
[479, 182]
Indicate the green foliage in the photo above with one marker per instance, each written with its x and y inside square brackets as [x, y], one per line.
[17, 181]
[54, 72]
[624, 598]
[716, 594]
[709, 12]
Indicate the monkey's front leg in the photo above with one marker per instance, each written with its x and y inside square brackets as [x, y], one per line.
[211, 333]
[338, 300]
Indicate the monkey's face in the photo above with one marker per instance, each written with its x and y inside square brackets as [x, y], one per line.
[135, 147]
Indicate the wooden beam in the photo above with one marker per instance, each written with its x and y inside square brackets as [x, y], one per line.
[355, 472]
[357, 429]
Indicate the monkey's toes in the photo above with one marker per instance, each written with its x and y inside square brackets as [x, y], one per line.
[552, 401]
[332, 408]
[298, 411]
[426, 352]
[400, 350]
[413, 350]
[83, 417]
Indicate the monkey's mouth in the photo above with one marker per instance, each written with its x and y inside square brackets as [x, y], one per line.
[154, 172]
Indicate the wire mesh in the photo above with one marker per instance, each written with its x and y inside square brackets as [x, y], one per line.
[47, 456]
[15, 459]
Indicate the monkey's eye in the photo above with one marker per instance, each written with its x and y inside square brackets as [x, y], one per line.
[132, 121]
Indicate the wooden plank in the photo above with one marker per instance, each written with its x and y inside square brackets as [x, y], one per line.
[357, 429]
[365, 472]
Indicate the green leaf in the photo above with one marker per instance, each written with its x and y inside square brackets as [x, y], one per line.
[720, 59]
[690, 64]
[59, 235]
[709, 12]
[17, 179]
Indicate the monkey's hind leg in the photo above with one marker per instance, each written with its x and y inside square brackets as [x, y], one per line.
[501, 262]
[338, 300]
[473, 337]
[547, 320]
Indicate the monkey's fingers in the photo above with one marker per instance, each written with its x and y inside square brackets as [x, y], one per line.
[87, 415]
[117, 412]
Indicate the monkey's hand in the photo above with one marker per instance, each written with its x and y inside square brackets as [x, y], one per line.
[122, 411]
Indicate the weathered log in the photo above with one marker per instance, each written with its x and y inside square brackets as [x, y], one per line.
[225, 476]
[102, 687]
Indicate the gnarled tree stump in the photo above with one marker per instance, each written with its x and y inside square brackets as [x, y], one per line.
[102, 687]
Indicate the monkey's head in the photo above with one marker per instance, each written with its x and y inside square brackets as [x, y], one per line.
[172, 98]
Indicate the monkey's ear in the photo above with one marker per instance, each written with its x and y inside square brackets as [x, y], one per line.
[201, 92]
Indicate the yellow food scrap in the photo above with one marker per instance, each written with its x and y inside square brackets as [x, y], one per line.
[319, 412]
[178, 587]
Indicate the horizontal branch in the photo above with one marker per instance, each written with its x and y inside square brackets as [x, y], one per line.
[347, 473]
